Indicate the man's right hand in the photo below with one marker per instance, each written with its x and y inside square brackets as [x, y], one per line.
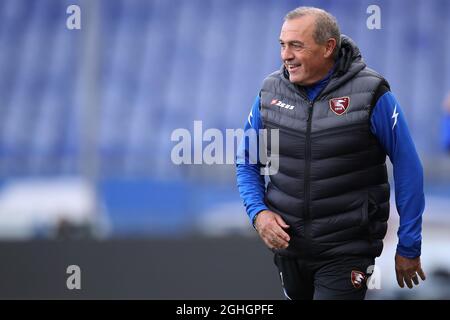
[270, 228]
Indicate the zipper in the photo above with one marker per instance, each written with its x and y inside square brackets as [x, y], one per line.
[307, 200]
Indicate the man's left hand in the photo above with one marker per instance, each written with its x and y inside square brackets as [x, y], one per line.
[407, 270]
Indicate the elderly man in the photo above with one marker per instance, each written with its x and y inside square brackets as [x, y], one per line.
[324, 212]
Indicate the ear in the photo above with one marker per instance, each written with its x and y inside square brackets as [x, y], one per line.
[329, 47]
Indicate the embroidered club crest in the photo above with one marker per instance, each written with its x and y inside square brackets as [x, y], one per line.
[339, 105]
[358, 278]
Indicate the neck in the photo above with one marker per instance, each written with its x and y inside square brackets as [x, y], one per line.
[327, 69]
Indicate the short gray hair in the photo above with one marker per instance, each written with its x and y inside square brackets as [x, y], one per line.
[326, 25]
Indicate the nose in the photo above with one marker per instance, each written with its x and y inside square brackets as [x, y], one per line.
[286, 54]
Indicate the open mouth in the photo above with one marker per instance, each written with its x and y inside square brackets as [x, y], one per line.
[292, 68]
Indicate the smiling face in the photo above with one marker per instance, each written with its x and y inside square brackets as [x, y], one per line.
[307, 61]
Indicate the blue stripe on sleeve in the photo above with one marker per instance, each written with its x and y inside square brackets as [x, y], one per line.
[389, 125]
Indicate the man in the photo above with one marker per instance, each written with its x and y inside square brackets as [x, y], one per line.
[324, 213]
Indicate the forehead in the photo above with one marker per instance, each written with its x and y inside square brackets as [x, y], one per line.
[300, 29]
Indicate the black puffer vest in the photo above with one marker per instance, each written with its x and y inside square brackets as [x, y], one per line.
[332, 186]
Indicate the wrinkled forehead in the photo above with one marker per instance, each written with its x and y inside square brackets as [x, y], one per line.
[298, 29]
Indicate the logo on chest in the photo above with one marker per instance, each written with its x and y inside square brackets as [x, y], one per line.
[282, 104]
[339, 105]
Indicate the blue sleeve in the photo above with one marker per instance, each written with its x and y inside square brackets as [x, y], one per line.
[250, 182]
[446, 132]
[389, 125]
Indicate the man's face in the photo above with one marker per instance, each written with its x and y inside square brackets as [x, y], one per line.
[306, 61]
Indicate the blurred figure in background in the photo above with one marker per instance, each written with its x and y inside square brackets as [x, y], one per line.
[446, 124]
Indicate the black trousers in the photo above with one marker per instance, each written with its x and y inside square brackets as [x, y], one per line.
[342, 278]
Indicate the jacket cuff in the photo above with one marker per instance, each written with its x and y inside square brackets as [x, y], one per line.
[255, 212]
[409, 252]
